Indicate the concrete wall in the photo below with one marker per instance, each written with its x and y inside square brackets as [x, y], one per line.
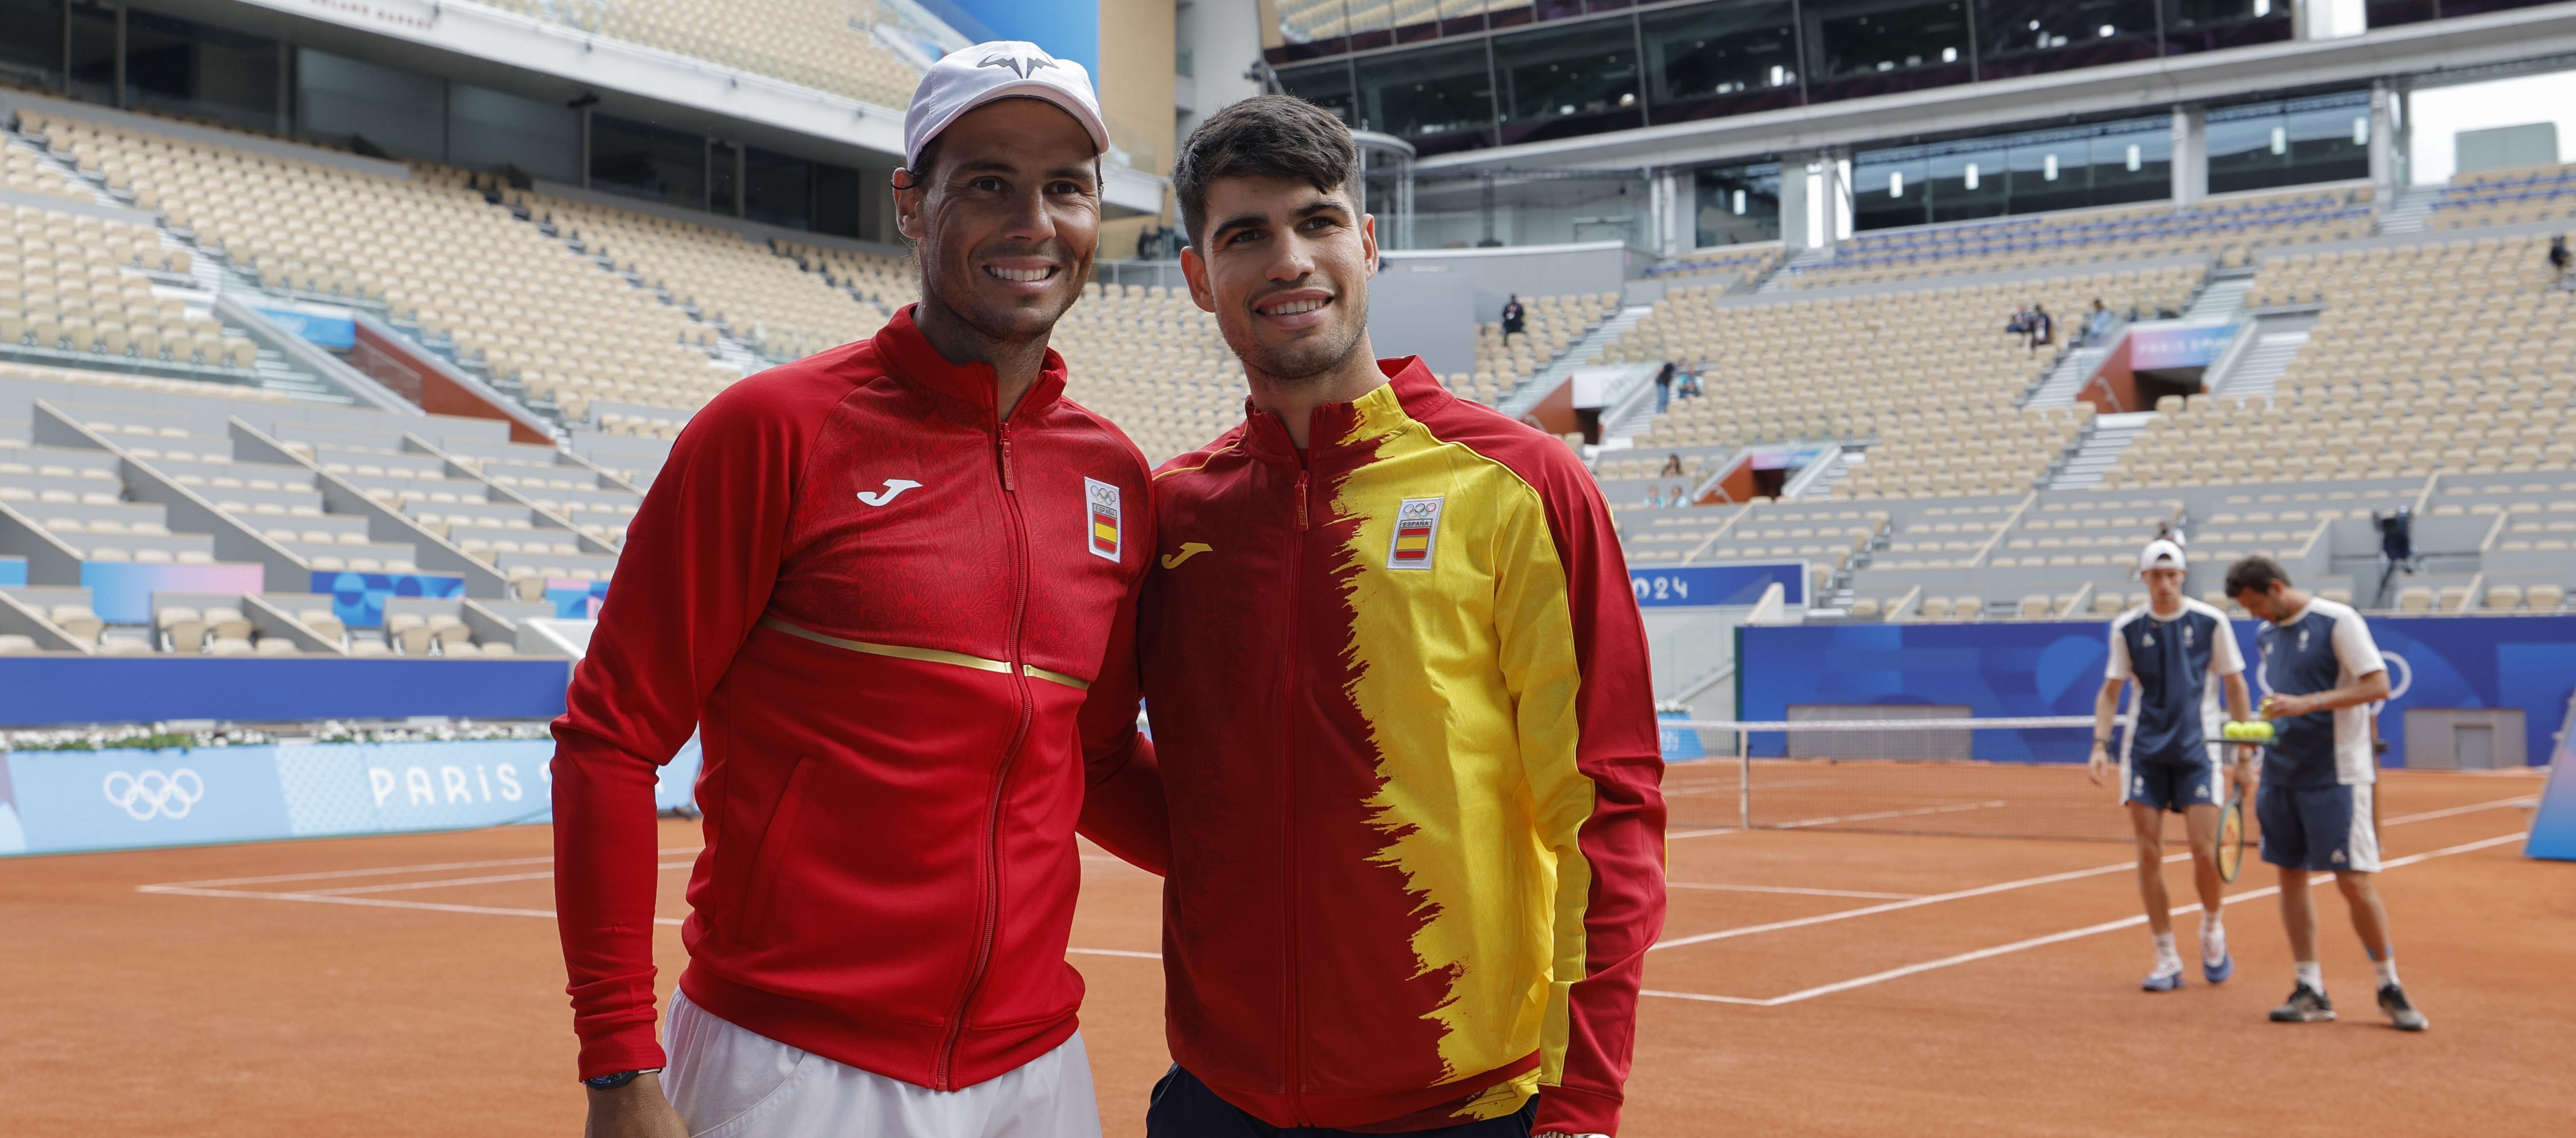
[1432, 315]
[1496, 274]
[1136, 97]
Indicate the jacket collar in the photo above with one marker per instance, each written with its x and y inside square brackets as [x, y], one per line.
[910, 356]
[1339, 431]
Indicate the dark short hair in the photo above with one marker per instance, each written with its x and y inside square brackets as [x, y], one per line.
[1265, 136]
[2255, 574]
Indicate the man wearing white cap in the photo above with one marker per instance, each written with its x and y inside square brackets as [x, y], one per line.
[892, 587]
[2173, 647]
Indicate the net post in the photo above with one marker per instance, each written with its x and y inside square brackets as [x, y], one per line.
[1743, 780]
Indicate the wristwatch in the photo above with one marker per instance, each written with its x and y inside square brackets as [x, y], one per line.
[612, 1082]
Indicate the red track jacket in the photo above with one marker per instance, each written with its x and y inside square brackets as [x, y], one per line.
[1399, 689]
[883, 610]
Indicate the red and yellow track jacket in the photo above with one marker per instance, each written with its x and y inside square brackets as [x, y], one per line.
[1399, 689]
[883, 606]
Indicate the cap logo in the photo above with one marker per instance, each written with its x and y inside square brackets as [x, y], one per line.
[1022, 65]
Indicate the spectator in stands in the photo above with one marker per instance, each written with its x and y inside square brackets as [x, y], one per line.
[2020, 323]
[1519, 615]
[1688, 387]
[1672, 463]
[2097, 324]
[2558, 259]
[1664, 386]
[1654, 496]
[1512, 318]
[801, 581]
[2043, 327]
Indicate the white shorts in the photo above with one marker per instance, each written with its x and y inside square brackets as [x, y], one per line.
[730, 1082]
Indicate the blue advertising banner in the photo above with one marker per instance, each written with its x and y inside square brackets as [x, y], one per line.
[2553, 826]
[576, 599]
[13, 570]
[1678, 743]
[319, 325]
[2154, 346]
[41, 690]
[1734, 583]
[2055, 667]
[120, 592]
[358, 599]
[67, 801]
[74, 800]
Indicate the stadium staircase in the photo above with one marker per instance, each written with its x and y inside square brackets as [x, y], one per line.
[2057, 386]
[1798, 262]
[2277, 341]
[2409, 209]
[2098, 450]
[2223, 298]
[1816, 482]
[1577, 354]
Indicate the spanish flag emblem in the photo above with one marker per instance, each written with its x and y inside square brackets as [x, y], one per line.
[1417, 532]
[1104, 517]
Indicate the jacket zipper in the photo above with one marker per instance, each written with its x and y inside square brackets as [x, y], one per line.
[944, 1073]
[1288, 805]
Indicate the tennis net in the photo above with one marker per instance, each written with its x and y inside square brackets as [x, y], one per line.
[1905, 776]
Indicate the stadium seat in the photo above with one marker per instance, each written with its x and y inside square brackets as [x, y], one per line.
[2107, 604]
[2414, 599]
[2504, 598]
[1968, 608]
[2546, 598]
[1935, 608]
[2036, 606]
[13, 644]
[79, 621]
[1864, 608]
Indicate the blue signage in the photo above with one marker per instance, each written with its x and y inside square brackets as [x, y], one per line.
[13, 570]
[123, 799]
[1733, 583]
[2159, 345]
[358, 599]
[321, 327]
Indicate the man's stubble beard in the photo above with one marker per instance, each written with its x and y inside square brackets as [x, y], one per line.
[1310, 359]
[998, 326]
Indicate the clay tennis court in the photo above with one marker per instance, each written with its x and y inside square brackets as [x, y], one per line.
[1813, 980]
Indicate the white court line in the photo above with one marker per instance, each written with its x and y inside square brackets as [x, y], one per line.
[2024, 883]
[390, 870]
[1803, 892]
[1708, 833]
[1953, 808]
[453, 882]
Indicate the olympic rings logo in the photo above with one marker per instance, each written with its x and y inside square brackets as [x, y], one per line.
[153, 794]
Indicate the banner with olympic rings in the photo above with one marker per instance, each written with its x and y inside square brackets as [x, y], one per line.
[68, 801]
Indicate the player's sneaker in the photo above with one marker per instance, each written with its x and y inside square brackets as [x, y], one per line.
[2219, 972]
[2307, 1005]
[2166, 978]
[2401, 1011]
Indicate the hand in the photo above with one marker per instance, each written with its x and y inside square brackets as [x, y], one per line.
[636, 1110]
[2097, 765]
[2288, 706]
[2243, 776]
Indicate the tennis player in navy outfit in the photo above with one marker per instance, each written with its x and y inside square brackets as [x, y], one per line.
[2323, 674]
[2181, 654]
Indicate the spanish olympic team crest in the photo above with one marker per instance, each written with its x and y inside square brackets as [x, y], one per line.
[1103, 517]
[1417, 533]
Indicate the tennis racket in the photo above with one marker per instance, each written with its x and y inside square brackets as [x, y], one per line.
[2231, 837]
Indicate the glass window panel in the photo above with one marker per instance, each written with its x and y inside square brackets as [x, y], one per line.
[489, 130]
[1439, 98]
[1965, 184]
[2133, 165]
[373, 108]
[645, 161]
[2205, 25]
[1887, 189]
[1737, 204]
[205, 72]
[2390, 13]
[1567, 80]
[777, 188]
[2248, 148]
[92, 66]
[2024, 37]
[2329, 138]
[1880, 38]
[1720, 59]
[836, 200]
[724, 178]
[1326, 85]
[31, 43]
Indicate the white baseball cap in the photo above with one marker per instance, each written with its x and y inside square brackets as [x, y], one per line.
[2162, 553]
[1003, 69]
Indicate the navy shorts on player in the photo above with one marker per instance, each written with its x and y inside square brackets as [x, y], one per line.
[1184, 1107]
[2327, 829]
[2174, 784]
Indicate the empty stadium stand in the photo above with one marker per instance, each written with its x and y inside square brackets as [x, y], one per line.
[2228, 228]
[2506, 197]
[828, 45]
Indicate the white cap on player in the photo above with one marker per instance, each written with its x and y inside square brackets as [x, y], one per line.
[1004, 69]
[2162, 553]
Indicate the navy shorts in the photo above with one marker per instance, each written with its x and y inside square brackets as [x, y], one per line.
[2172, 784]
[1184, 1107]
[2324, 829]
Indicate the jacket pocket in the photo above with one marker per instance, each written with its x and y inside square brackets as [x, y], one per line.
[776, 839]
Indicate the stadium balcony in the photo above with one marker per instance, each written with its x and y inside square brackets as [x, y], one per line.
[2230, 229]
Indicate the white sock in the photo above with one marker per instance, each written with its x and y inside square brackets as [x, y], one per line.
[2166, 957]
[2387, 967]
[2311, 974]
[2213, 940]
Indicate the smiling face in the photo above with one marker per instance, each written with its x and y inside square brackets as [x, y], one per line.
[1007, 218]
[1285, 268]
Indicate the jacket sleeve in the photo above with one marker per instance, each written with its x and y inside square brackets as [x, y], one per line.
[1122, 804]
[1574, 656]
[696, 572]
